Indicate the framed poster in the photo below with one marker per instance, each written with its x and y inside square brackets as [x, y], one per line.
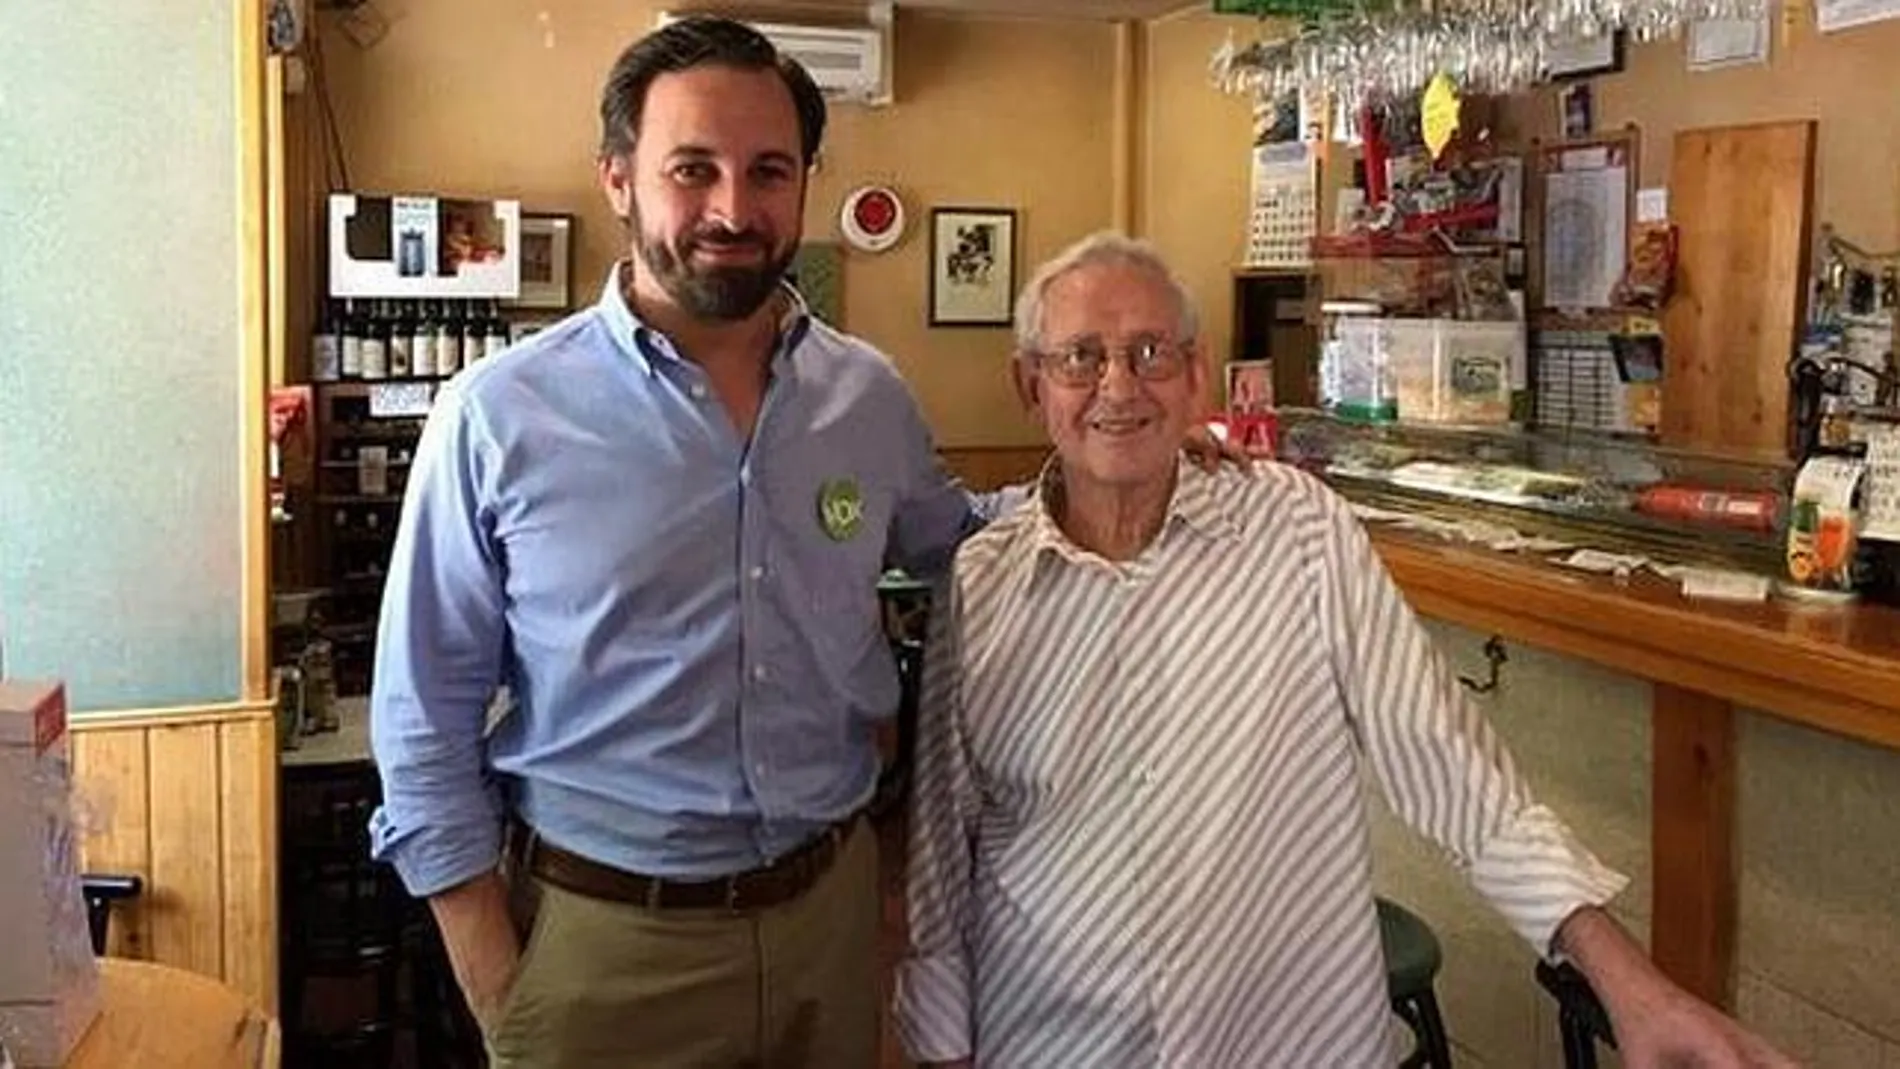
[972, 266]
[547, 261]
[1586, 194]
[1249, 387]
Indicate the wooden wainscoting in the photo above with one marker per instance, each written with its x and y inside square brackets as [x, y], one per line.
[991, 467]
[187, 799]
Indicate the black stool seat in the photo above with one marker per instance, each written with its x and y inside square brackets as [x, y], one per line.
[1412, 960]
[1581, 1018]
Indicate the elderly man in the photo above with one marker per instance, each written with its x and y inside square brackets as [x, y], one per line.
[1138, 835]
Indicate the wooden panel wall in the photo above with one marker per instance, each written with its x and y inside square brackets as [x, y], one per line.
[994, 467]
[1740, 198]
[189, 803]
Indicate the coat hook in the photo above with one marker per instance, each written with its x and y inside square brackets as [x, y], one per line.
[1495, 655]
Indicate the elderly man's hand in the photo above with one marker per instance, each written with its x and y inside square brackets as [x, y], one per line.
[1207, 450]
[1658, 1025]
[1679, 1030]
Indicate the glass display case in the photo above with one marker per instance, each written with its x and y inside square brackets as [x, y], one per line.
[1587, 490]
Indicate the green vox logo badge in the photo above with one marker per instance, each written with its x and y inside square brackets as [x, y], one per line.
[840, 508]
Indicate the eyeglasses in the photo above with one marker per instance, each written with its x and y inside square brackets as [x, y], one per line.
[1085, 362]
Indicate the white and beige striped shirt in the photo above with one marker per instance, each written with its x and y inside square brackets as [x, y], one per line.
[1139, 837]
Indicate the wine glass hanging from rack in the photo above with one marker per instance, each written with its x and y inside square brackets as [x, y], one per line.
[1389, 49]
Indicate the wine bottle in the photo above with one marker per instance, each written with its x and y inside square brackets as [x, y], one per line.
[326, 355]
[448, 342]
[351, 342]
[497, 331]
[422, 342]
[401, 360]
[471, 333]
[375, 346]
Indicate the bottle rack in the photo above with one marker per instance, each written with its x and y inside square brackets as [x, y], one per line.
[362, 468]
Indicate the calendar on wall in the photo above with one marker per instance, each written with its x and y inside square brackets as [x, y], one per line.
[1284, 213]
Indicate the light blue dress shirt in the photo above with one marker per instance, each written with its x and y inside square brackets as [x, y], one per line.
[696, 656]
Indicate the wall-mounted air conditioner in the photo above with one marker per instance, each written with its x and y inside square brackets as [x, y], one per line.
[848, 63]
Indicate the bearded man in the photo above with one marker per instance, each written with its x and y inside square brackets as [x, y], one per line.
[660, 523]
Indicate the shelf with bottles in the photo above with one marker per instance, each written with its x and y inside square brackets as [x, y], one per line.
[424, 247]
[368, 341]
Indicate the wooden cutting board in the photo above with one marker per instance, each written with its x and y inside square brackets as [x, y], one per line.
[1740, 198]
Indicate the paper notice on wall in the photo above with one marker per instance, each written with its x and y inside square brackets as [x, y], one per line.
[1835, 15]
[1652, 205]
[1717, 43]
[1882, 523]
[1586, 236]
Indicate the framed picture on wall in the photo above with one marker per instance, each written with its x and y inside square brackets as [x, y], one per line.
[1249, 387]
[547, 261]
[972, 266]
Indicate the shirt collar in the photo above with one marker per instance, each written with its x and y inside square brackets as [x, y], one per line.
[1194, 506]
[647, 347]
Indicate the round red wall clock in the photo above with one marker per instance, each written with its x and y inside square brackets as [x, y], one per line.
[872, 218]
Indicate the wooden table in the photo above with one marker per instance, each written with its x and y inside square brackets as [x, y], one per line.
[1835, 669]
[160, 1017]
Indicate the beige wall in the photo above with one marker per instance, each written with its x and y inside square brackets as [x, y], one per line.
[1845, 80]
[493, 98]
[1194, 165]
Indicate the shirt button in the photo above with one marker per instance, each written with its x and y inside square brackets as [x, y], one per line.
[698, 391]
[758, 671]
[758, 572]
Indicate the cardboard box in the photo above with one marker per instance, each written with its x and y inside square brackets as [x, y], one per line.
[49, 981]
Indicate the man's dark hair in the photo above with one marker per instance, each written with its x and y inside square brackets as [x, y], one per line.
[698, 41]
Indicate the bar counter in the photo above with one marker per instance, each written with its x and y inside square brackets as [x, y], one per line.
[1835, 668]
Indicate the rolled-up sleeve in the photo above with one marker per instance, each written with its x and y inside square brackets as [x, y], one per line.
[438, 661]
[933, 1003]
[1437, 759]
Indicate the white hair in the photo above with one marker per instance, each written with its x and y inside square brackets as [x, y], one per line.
[1101, 247]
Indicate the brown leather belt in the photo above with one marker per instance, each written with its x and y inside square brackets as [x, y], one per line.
[781, 881]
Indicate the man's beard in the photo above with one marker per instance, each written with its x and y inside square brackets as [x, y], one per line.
[725, 293]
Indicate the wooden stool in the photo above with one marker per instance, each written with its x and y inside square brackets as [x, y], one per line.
[1412, 958]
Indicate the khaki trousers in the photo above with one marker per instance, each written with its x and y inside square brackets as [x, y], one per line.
[611, 985]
